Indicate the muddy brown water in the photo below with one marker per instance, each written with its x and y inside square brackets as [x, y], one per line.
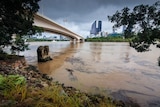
[103, 68]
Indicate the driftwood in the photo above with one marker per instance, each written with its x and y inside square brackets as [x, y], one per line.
[43, 54]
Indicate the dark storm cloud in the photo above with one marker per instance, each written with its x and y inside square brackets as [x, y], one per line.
[83, 8]
[80, 14]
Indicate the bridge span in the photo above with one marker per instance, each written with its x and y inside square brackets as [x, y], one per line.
[50, 26]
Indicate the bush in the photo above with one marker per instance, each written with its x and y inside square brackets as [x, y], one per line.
[107, 39]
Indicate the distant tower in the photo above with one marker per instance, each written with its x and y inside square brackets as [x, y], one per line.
[95, 30]
[99, 26]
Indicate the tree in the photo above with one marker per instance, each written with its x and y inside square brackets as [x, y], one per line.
[143, 22]
[16, 17]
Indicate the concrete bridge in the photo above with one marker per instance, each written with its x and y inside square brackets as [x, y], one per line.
[50, 26]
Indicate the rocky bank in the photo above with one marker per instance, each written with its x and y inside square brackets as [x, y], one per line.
[37, 81]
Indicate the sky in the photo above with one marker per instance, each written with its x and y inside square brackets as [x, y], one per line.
[78, 15]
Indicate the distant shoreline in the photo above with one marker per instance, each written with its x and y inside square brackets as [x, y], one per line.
[43, 40]
[107, 39]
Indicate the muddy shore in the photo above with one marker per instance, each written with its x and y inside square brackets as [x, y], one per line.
[37, 80]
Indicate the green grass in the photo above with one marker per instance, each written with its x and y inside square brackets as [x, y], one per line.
[14, 88]
[53, 97]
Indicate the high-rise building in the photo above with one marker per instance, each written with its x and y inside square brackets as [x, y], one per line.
[95, 30]
[99, 26]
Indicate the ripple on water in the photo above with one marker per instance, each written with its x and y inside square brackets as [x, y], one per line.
[154, 102]
[135, 71]
[147, 64]
[155, 76]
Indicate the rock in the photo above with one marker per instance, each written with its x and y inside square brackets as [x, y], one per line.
[43, 54]
[39, 85]
[45, 76]
[158, 45]
[31, 67]
[33, 80]
[13, 62]
[44, 84]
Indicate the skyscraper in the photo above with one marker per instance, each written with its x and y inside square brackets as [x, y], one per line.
[99, 26]
[94, 30]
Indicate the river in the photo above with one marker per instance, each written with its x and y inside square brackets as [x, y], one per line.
[106, 68]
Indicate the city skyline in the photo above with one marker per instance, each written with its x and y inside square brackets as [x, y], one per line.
[79, 15]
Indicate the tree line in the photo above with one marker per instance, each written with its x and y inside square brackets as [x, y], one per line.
[142, 23]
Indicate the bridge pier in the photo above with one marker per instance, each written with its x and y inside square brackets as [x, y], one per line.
[77, 40]
[81, 40]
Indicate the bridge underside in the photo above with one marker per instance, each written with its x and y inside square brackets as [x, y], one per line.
[72, 39]
[50, 26]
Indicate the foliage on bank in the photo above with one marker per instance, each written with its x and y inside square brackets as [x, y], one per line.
[38, 40]
[108, 39]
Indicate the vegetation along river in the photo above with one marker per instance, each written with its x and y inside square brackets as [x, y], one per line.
[103, 68]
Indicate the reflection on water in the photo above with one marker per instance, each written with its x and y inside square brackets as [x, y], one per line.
[96, 49]
[106, 68]
[58, 60]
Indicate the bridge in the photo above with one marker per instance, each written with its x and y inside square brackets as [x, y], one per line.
[50, 26]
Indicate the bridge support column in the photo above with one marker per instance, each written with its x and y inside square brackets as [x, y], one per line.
[77, 40]
[73, 40]
[81, 40]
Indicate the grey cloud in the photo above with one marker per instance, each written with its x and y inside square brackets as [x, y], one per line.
[83, 8]
[80, 12]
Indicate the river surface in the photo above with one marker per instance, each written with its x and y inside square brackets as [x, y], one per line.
[106, 68]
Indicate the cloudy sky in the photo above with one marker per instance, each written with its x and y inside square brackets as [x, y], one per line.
[78, 15]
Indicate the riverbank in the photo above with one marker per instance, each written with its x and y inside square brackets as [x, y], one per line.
[43, 40]
[34, 89]
[108, 39]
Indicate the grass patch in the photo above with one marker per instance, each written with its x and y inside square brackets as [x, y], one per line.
[13, 88]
